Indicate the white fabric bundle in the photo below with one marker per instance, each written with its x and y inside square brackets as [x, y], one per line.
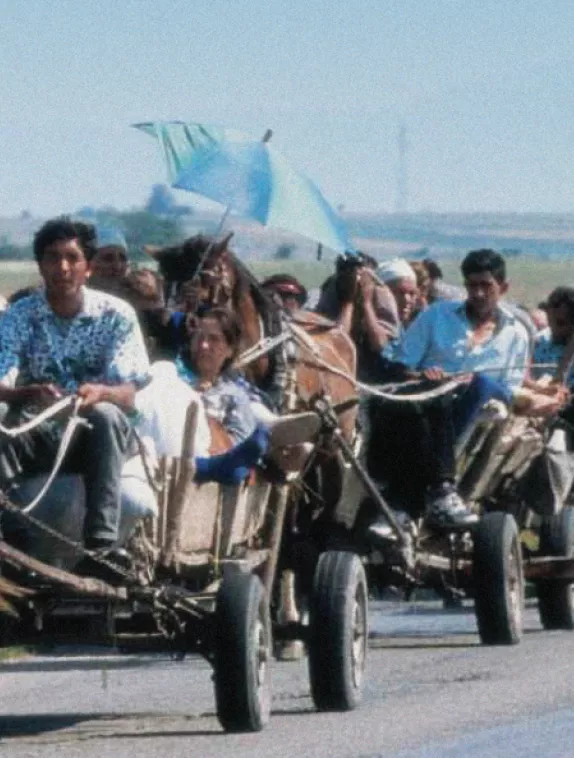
[162, 407]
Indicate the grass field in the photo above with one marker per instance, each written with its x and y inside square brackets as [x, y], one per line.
[16, 274]
[9, 653]
[530, 279]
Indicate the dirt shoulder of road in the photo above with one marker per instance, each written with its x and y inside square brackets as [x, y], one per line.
[12, 653]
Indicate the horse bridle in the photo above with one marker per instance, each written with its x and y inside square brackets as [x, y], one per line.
[213, 285]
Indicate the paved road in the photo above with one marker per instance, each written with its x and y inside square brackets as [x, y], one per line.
[432, 690]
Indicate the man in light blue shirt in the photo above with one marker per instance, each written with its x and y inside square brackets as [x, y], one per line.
[479, 336]
[453, 337]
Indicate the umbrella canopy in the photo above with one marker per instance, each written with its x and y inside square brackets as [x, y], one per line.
[252, 179]
[179, 140]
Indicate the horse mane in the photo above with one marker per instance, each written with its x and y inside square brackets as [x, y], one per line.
[266, 307]
[178, 263]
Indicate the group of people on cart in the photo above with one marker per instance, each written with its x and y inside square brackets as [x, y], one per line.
[407, 323]
[89, 330]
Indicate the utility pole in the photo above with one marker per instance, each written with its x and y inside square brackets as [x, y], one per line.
[402, 198]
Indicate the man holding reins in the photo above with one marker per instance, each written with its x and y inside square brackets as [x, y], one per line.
[478, 336]
[67, 339]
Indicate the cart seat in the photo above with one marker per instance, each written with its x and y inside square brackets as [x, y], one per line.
[63, 508]
[287, 429]
[294, 429]
[493, 414]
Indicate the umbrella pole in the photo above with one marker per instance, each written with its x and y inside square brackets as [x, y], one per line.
[218, 231]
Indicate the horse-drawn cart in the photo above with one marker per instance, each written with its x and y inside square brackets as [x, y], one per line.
[202, 577]
[516, 473]
[518, 467]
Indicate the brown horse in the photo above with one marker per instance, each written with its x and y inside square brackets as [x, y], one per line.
[204, 272]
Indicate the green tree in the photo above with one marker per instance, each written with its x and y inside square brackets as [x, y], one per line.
[143, 228]
[10, 252]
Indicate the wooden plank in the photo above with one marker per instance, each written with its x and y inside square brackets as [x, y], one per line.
[79, 584]
[198, 524]
[165, 473]
[278, 500]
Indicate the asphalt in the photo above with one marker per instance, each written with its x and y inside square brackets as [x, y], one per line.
[431, 690]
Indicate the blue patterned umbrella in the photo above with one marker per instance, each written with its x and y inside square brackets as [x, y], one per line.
[179, 140]
[249, 177]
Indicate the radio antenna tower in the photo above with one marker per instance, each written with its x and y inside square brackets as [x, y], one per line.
[401, 202]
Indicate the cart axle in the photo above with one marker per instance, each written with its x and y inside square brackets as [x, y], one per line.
[549, 568]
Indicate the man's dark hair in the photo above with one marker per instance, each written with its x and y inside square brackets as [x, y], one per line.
[435, 271]
[562, 296]
[484, 261]
[286, 284]
[61, 229]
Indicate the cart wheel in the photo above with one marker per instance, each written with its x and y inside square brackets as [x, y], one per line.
[242, 653]
[338, 631]
[498, 579]
[555, 598]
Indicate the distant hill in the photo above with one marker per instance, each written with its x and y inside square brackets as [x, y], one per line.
[443, 235]
[19, 229]
[545, 236]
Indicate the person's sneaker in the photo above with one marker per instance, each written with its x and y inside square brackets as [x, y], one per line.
[90, 565]
[380, 529]
[445, 509]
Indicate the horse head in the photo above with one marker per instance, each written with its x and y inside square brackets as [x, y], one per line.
[198, 272]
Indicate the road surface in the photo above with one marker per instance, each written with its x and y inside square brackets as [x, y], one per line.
[431, 690]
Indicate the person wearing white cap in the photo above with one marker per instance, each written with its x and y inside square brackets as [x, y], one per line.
[401, 279]
[397, 283]
[111, 259]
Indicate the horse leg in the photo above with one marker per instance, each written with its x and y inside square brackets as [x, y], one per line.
[288, 650]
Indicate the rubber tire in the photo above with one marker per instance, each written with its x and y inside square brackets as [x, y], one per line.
[555, 598]
[243, 705]
[495, 540]
[338, 582]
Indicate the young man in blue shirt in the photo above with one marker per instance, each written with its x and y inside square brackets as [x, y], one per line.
[478, 336]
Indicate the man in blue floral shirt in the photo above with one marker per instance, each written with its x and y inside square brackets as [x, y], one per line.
[68, 339]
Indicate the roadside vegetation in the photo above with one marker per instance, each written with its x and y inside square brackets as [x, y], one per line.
[530, 279]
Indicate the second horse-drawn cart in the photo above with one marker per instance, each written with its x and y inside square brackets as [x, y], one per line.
[515, 472]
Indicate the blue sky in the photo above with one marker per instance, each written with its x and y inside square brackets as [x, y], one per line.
[486, 90]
